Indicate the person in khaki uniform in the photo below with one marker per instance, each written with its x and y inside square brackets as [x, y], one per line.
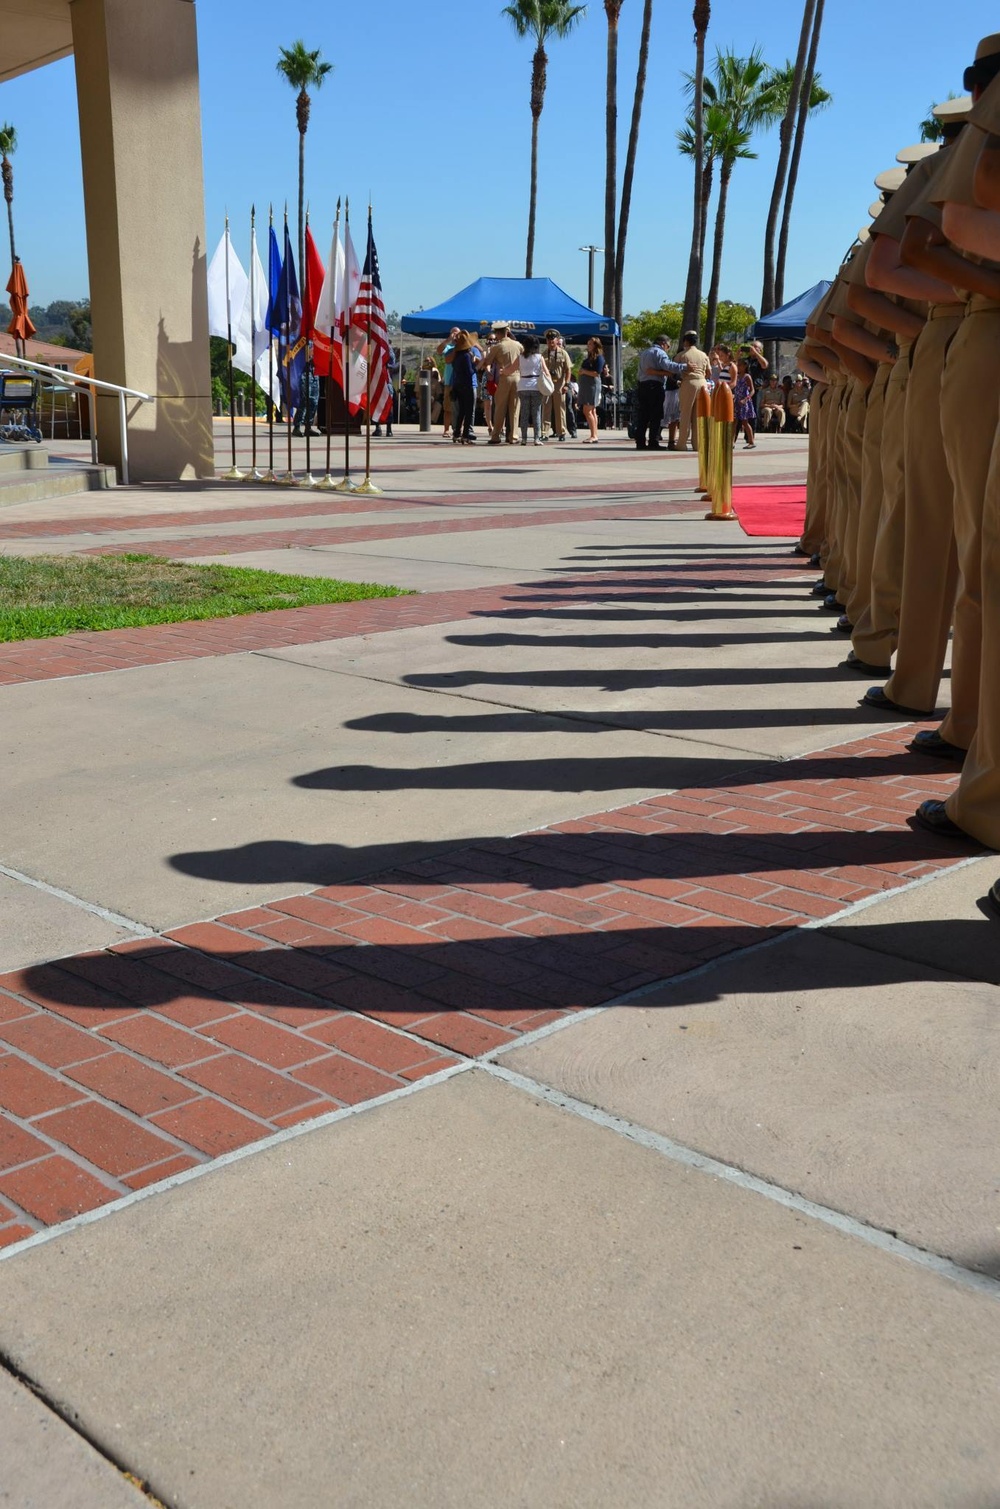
[506, 408]
[696, 378]
[928, 575]
[970, 195]
[561, 370]
[904, 316]
[971, 368]
[799, 403]
[771, 404]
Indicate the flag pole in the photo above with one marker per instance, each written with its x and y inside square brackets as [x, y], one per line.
[256, 475]
[326, 483]
[234, 474]
[308, 480]
[345, 485]
[368, 486]
[288, 479]
[269, 474]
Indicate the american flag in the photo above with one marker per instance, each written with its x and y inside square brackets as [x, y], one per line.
[369, 314]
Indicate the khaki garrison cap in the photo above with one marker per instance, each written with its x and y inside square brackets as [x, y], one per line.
[889, 181]
[921, 149]
[953, 112]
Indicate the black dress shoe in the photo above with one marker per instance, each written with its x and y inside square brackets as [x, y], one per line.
[819, 589]
[852, 663]
[876, 697]
[992, 900]
[842, 626]
[933, 817]
[929, 741]
[831, 605]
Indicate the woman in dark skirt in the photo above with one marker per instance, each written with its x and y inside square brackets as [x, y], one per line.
[463, 390]
[589, 381]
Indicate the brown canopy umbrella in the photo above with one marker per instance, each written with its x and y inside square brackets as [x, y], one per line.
[20, 326]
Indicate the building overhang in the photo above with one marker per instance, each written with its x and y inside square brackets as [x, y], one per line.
[33, 33]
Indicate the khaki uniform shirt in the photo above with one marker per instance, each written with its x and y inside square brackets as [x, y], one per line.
[503, 353]
[697, 363]
[559, 365]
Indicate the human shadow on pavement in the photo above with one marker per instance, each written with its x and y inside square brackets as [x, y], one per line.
[651, 641]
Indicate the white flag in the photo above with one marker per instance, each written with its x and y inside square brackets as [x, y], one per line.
[227, 289]
[351, 280]
[253, 342]
[327, 310]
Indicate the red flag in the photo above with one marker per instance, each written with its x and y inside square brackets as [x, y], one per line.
[369, 317]
[314, 276]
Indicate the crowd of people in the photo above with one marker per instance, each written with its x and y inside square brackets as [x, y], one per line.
[521, 388]
[903, 500]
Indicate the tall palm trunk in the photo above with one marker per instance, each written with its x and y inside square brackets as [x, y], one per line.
[630, 154]
[692, 293]
[539, 64]
[708, 178]
[712, 304]
[796, 155]
[302, 105]
[7, 173]
[612, 10]
[767, 302]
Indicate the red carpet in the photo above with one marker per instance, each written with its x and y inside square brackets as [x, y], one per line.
[776, 511]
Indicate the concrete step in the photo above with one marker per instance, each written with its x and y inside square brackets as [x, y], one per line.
[37, 480]
[17, 459]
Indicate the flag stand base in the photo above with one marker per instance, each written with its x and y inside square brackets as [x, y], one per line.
[233, 475]
[326, 484]
[345, 485]
[308, 480]
[256, 475]
[724, 517]
[368, 488]
[287, 479]
[269, 476]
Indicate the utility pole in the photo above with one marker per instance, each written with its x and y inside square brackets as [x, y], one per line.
[592, 252]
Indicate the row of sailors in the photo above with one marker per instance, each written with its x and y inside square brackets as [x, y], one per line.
[903, 500]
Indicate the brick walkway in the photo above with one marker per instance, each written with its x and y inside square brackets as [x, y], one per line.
[122, 1067]
[88, 654]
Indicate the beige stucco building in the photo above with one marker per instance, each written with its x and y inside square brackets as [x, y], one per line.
[140, 132]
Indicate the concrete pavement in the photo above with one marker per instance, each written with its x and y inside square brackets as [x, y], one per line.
[728, 1242]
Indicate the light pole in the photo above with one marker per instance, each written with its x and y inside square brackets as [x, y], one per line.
[592, 252]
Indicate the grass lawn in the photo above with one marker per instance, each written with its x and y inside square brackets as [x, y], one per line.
[55, 594]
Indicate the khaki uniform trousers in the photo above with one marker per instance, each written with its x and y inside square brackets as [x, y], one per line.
[874, 635]
[506, 407]
[975, 805]
[970, 395]
[813, 529]
[871, 495]
[833, 563]
[855, 416]
[689, 389]
[554, 414]
[930, 564]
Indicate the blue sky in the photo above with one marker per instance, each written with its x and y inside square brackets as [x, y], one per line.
[436, 129]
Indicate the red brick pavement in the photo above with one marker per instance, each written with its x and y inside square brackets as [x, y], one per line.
[120, 1068]
[88, 654]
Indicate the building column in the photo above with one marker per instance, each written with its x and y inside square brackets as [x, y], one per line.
[140, 133]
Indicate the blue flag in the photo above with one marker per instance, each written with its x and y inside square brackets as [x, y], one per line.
[273, 281]
[292, 343]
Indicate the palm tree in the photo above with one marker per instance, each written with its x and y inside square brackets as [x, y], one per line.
[794, 74]
[931, 129]
[8, 146]
[540, 19]
[701, 15]
[303, 70]
[630, 155]
[813, 97]
[739, 100]
[685, 142]
[612, 9]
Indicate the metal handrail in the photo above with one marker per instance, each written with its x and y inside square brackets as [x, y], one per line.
[79, 381]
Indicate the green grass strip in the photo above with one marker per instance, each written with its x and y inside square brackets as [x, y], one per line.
[46, 595]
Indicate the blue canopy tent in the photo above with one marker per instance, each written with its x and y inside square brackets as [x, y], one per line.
[530, 304]
[789, 322]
